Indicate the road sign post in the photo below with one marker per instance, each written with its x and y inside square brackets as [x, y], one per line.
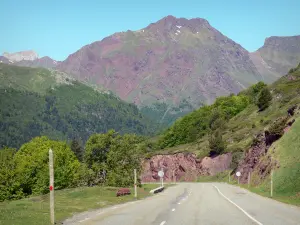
[51, 187]
[135, 189]
[161, 175]
[238, 174]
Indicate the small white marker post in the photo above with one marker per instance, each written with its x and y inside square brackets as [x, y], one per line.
[238, 174]
[135, 189]
[174, 178]
[51, 187]
[249, 179]
[271, 183]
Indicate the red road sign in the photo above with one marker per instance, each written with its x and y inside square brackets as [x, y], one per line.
[51, 188]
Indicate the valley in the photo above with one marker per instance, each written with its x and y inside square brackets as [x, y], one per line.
[176, 95]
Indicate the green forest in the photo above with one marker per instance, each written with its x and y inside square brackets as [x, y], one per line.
[37, 102]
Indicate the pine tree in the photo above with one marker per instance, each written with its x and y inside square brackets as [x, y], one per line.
[77, 149]
[264, 99]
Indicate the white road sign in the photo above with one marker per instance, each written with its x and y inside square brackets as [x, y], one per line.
[160, 173]
[238, 174]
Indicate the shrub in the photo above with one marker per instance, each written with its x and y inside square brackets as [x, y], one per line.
[32, 166]
[264, 99]
[216, 143]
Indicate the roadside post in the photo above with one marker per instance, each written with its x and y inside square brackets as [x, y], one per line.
[51, 187]
[161, 175]
[238, 174]
[135, 189]
[272, 183]
[229, 177]
[249, 179]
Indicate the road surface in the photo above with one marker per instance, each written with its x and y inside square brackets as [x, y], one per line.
[196, 204]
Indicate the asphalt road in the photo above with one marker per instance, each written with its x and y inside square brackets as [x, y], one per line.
[196, 204]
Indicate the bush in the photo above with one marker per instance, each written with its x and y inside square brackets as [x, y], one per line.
[264, 99]
[277, 128]
[216, 143]
[32, 166]
[236, 158]
[9, 187]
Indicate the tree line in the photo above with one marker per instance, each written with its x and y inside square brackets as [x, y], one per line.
[107, 158]
[210, 120]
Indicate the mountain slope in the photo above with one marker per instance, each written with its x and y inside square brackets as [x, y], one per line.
[36, 102]
[44, 62]
[277, 55]
[239, 131]
[168, 61]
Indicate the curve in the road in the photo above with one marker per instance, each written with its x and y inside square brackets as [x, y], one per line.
[240, 208]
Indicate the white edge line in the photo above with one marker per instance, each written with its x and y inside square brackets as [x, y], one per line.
[84, 220]
[163, 222]
[247, 214]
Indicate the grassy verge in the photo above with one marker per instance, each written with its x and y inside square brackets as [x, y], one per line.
[35, 210]
[220, 177]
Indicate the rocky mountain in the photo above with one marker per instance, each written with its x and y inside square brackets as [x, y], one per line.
[5, 60]
[44, 62]
[19, 56]
[28, 59]
[169, 61]
[277, 55]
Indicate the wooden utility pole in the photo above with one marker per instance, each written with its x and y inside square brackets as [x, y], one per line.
[135, 189]
[51, 187]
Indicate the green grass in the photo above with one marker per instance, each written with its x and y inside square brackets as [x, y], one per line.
[220, 177]
[35, 210]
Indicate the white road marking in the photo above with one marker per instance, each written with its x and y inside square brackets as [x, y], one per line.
[259, 223]
[179, 203]
[163, 222]
[173, 210]
[83, 220]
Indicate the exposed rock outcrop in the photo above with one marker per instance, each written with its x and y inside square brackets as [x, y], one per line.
[260, 147]
[183, 166]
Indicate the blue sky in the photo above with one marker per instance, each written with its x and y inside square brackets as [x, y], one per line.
[58, 28]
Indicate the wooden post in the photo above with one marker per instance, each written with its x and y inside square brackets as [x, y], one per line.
[249, 179]
[272, 183]
[135, 189]
[51, 187]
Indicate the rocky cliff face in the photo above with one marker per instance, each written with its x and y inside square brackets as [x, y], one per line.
[183, 166]
[167, 61]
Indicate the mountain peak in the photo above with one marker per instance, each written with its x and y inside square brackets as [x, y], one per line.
[169, 22]
[23, 55]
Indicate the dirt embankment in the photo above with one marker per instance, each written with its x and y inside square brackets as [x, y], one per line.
[183, 166]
